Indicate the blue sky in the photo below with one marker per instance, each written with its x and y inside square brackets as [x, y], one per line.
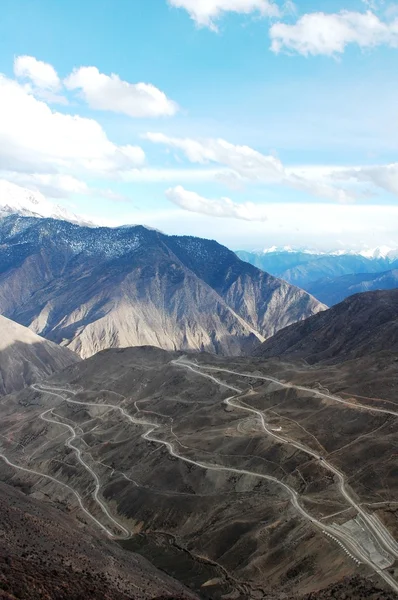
[261, 122]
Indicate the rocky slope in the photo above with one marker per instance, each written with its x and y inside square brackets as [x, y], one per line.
[181, 473]
[45, 552]
[26, 357]
[335, 290]
[362, 324]
[91, 289]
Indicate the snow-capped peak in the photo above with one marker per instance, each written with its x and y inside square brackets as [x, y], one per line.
[388, 253]
[380, 252]
[15, 199]
[278, 249]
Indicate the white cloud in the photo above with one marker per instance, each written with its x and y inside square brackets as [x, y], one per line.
[206, 12]
[329, 34]
[43, 79]
[168, 175]
[52, 185]
[109, 92]
[41, 74]
[247, 165]
[222, 207]
[243, 160]
[34, 138]
[379, 176]
[323, 226]
[323, 189]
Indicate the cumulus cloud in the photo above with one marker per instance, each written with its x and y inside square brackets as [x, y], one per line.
[34, 138]
[329, 34]
[222, 207]
[42, 78]
[109, 92]
[41, 74]
[205, 13]
[248, 165]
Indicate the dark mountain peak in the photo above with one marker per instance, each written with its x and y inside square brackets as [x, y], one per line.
[361, 324]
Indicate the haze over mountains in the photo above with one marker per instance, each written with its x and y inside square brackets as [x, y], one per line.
[334, 290]
[95, 288]
[333, 276]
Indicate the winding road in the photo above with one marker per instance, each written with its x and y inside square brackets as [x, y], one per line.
[347, 541]
[69, 444]
[375, 526]
[327, 395]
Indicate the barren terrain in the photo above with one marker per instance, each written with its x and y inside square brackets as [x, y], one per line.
[238, 477]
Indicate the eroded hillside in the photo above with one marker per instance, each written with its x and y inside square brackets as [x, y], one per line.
[239, 477]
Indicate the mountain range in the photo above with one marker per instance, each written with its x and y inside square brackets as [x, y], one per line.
[332, 290]
[321, 273]
[261, 466]
[245, 477]
[95, 288]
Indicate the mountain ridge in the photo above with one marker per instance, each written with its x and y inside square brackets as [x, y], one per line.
[102, 287]
[310, 271]
[334, 290]
[362, 324]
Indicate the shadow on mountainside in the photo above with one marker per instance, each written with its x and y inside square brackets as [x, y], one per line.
[22, 364]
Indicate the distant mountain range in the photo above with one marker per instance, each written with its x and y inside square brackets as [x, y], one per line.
[320, 273]
[95, 288]
[332, 290]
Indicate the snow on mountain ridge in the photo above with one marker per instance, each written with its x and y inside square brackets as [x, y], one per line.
[387, 252]
[380, 252]
[15, 199]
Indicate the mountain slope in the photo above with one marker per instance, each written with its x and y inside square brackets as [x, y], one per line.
[48, 553]
[190, 478]
[26, 357]
[92, 289]
[334, 290]
[362, 324]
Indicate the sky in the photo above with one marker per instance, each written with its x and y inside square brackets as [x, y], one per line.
[253, 122]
